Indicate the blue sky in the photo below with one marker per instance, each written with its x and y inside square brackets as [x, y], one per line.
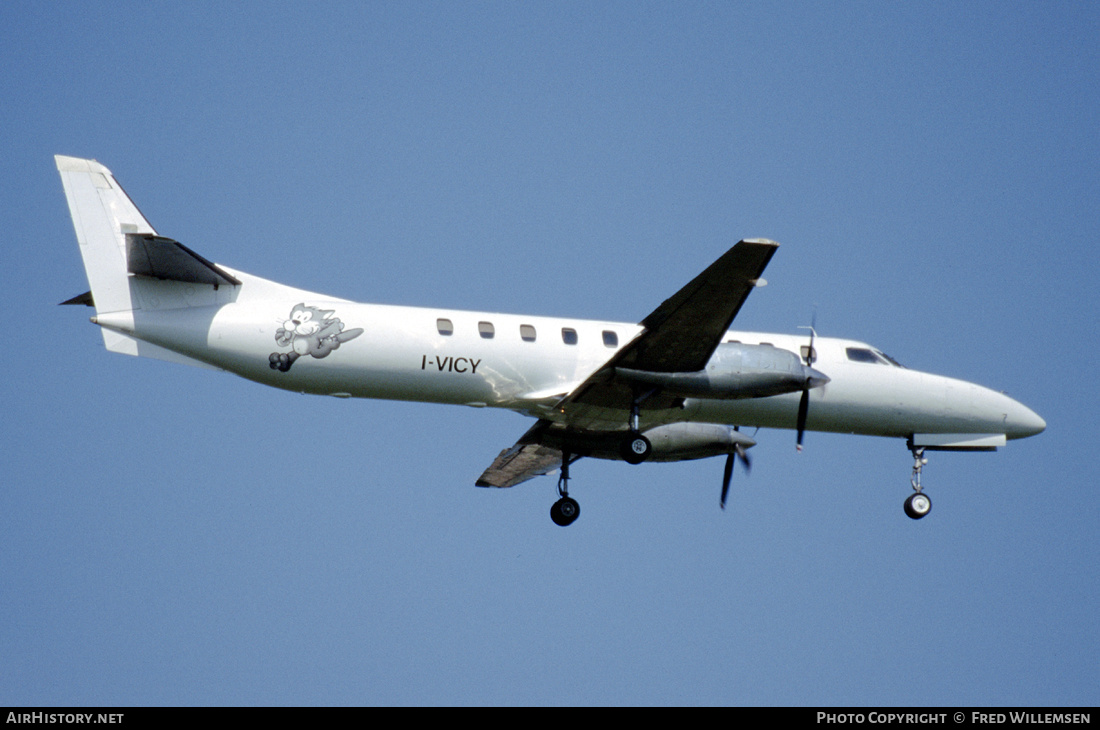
[930, 169]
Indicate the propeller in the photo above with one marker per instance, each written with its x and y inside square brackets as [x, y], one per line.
[738, 452]
[803, 411]
[814, 379]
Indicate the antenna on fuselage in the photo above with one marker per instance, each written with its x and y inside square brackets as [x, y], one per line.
[809, 355]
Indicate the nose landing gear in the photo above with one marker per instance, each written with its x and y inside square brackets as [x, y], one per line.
[918, 504]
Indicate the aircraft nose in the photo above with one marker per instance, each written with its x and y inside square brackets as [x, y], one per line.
[1021, 421]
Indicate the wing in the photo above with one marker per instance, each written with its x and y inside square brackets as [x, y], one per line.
[681, 335]
[527, 459]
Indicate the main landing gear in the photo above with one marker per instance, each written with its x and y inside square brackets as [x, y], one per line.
[566, 510]
[635, 448]
[918, 504]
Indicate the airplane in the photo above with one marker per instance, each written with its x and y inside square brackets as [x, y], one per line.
[678, 385]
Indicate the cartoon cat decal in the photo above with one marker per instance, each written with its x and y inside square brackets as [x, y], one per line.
[309, 331]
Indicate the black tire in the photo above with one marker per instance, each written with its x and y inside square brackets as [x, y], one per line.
[918, 505]
[565, 511]
[635, 448]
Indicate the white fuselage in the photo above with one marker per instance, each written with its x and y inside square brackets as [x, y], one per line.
[527, 363]
[676, 386]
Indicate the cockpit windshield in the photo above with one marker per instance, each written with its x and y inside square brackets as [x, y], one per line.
[868, 355]
[891, 360]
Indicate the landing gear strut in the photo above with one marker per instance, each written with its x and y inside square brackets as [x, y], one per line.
[635, 448]
[918, 504]
[565, 510]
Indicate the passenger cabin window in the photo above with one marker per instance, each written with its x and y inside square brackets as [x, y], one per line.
[610, 338]
[569, 335]
[444, 326]
[486, 330]
[527, 333]
[809, 354]
[861, 354]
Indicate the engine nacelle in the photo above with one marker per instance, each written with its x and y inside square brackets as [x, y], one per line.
[684, 441]
[735, 371]
[670, 442]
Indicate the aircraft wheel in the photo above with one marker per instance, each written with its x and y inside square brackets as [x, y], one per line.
[918, 505]
[565, 511]
[636, 448]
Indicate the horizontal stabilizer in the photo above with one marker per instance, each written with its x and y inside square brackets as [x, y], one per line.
[164, 258]
[85, 299]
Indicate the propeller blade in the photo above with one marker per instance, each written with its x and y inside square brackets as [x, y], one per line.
[803, 409]
[744, 455]
[726, 478]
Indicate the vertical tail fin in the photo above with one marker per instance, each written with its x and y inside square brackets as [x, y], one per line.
[134, 273]
[102, 215]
